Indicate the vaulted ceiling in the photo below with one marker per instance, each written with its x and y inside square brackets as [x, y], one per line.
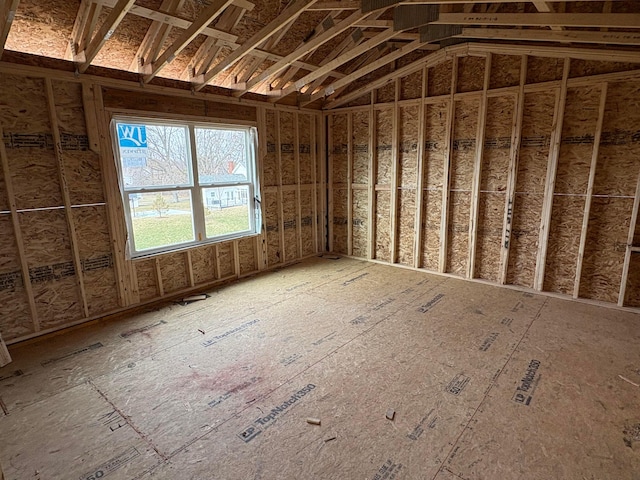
[307, 52]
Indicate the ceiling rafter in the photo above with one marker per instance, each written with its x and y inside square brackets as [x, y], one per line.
[186, 37]
[370, 56]
[288, 14]
[307, 47]
[480, 2]
[83, 25]
[430, 60]
[390, 57]
[177, 21]
[7, 15]
[545, 7]
[585, 20]
[155, 37]
[564, 36]
[287, 74]
[348, 43]
[249, 64]
[483, 49]
[104, 33]
[342, 59]
[211, 47]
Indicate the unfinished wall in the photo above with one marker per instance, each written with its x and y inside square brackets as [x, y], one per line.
[62, 246]
[528, 177]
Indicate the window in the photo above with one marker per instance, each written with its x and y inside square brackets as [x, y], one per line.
[185, 183]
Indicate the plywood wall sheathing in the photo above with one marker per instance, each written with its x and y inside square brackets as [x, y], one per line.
[579, 128]
[270, 168]
[204, 264]
[542, 177]
[411, 86]
[614, 191]
[505, 71]
[272, 225]
[409, 123]
[70, 239]
[383, 231]
[434, 158]
[552, 168]
[339, 171]
[446, 175]
[493, 185]
[530, 186]
[462, 167]
[470, 74]
[440, 79]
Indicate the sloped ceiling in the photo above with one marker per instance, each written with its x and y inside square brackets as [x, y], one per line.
[303, 52]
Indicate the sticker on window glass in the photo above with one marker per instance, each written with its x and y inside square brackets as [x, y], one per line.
[132, 140]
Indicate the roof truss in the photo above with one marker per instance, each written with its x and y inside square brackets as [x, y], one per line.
[238, 51]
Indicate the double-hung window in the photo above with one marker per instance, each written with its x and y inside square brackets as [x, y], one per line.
[185, 183]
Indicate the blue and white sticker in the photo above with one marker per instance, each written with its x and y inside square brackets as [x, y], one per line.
[132, 140]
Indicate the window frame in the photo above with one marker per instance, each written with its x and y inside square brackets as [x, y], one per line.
[193, 185]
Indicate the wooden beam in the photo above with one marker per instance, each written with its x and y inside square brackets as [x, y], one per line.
[446, 175]
[115, 213]
[159, 282]
[544, 7]
[314, 179]
[350, 183]
[478, 2]
[357, 63]
[66, 198]
[373, 171]
[354, 39]
[400, 72]
[79, 25]
[91, 122]
[290, 71]
[17, 233]
[337, 5]
[104, 33]
[367, 69]
[514, 155]
[330, 183]
[629, 250]
[550, 183]
[589, 193]
[155, 37]
[210, 48]
[342, 59]
[296, 155]
[419, 235]
[307, 47]
[176, 21]
[586, 20]
[366, 23]
[288, 14]
[8, 14]
[565, 36]
[246, 67]
[202, 21]
[283, 246]
[261, 239]
[86, 32]
[395, 169]
[236, 258]
[477, 170]
[189, 263]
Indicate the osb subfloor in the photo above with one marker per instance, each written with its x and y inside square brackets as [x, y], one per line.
[486, 383]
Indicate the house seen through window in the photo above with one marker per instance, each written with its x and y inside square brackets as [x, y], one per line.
[185, 183]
